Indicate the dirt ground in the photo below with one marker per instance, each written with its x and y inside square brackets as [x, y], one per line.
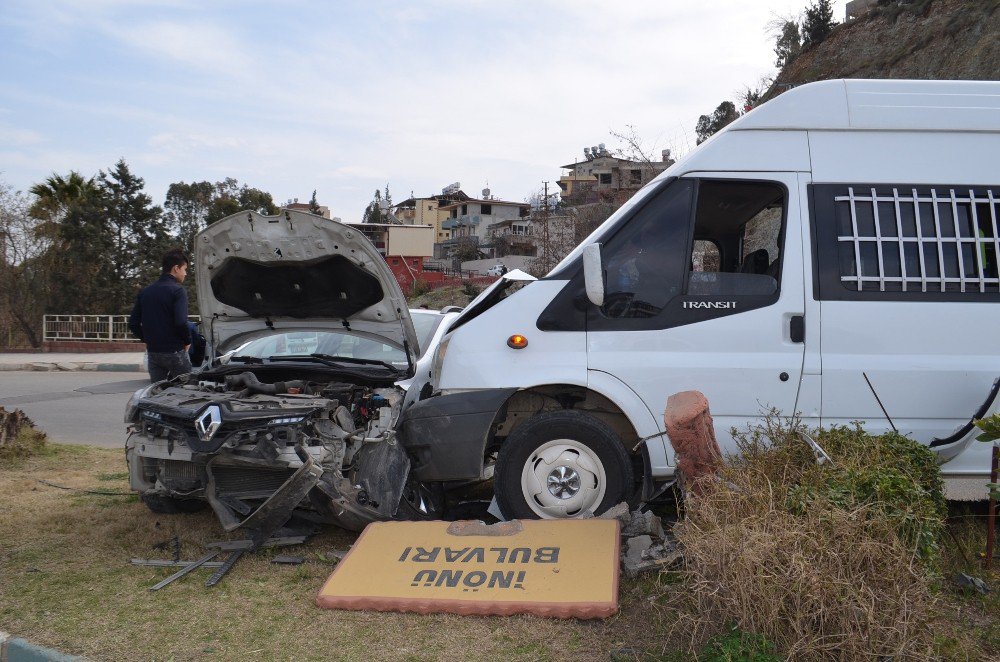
[66, 582]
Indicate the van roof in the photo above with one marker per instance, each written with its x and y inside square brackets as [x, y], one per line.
[881, 105]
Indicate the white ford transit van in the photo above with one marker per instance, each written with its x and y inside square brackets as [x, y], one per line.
[833, 252]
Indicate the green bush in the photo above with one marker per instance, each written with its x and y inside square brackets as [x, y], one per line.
[888, 476]
[737, 646]
[419, 288]
[471, 290]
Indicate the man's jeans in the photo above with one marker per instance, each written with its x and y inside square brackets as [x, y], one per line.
[166, 365]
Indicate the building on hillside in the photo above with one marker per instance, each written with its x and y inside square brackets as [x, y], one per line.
[324, 211]
[469, 222]
[404, 248]
[428, 210]
[512, 236]
[602, 177]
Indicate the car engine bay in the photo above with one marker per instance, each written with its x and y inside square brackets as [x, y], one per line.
[241, 438]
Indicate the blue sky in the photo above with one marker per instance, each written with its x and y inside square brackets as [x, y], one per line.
[345, 97]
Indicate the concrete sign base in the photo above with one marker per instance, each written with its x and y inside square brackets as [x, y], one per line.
[560, 568]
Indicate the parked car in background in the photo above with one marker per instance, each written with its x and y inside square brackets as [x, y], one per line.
[430, 325]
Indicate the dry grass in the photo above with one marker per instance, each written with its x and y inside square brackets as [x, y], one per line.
[831, 562]
[66, 582]
[830, 584]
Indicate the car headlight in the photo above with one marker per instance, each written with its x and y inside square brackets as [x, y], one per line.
[438, 362]
[132, 406]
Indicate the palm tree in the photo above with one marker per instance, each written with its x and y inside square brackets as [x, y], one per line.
[57, 193]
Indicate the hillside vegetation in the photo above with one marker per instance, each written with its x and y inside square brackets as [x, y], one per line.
[921, 39]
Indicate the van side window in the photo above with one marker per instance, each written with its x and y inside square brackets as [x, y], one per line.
[645, 262]
[737, 239]
[907, 242]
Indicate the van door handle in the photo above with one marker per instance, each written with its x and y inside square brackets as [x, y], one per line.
[797, 328]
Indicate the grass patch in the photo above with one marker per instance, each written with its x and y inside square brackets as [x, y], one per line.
[836, 561]
[67, 583]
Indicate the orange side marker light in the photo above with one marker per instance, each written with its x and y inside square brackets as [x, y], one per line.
[517, 341]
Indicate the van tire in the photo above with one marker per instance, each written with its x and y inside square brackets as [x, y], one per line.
[164, 505]
[561, 464]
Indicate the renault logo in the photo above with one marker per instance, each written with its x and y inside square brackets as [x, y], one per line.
[208, 422]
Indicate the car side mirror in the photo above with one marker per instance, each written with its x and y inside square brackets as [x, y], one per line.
[593, 274]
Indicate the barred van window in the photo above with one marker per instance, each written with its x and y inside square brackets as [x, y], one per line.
[918, 239]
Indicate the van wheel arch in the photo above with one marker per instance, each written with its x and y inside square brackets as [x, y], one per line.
[525, 404]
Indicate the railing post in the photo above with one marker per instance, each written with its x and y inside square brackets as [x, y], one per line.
[111, 328]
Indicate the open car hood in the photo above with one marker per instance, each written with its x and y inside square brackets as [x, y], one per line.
[255, 273]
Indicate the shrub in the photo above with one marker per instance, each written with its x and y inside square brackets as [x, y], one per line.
[419, 288]
[831, 561]
[470, 289]
[18, 436]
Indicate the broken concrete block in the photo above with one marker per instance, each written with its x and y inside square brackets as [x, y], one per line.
[619, 512]
[63, 365]
[968, 581]
[643, 524]
[692, 435]
[634, 547]
[42, 367]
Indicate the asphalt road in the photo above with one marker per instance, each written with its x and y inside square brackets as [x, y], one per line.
[73, 407]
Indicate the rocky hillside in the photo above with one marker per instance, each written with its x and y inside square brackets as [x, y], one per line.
[920, 39]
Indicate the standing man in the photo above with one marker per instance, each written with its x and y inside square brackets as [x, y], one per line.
[160, 319]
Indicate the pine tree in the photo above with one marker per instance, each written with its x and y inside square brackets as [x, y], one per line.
[818, 22]
[135, 234]
[709, 125]
[314, 205]
[788, 44]
[373, 212]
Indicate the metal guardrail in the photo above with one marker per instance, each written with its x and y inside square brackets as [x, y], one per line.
[89, 328]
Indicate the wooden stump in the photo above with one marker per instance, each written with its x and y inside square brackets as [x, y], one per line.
[692, 435]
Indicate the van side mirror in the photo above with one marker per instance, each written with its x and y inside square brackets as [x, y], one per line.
[593, 274]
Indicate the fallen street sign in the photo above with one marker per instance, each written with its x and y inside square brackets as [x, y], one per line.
[560, 568]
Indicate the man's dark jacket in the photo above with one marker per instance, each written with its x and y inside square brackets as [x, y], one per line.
[160, 315]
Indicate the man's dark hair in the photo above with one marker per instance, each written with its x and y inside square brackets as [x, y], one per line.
[174, 258]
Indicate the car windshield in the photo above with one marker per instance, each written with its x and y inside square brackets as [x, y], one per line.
[425, 322]
[304, 343]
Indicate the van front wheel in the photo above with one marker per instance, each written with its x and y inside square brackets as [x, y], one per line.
[561, 464]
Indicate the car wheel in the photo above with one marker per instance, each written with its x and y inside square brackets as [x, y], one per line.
[561, 464]
[164, 505]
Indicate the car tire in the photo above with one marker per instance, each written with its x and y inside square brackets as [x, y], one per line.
[561, 464]
[164, 505]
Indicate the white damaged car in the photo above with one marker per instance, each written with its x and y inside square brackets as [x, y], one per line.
[307, 420]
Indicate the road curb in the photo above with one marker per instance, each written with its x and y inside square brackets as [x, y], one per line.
[15, 649]
[72, 367]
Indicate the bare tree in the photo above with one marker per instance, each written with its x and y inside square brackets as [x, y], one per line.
[633, 148]
[23, 277]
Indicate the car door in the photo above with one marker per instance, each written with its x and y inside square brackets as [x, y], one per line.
[704, 291]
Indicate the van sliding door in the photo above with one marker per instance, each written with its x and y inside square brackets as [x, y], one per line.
[704, 291]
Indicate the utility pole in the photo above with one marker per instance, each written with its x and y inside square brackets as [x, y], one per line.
[546, 240]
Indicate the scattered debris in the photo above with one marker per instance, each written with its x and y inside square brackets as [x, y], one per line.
[619, 512]
[235, 548]
[643, 523]
[968, 581]
[288, 560]
[174, 544]
[336, 555]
